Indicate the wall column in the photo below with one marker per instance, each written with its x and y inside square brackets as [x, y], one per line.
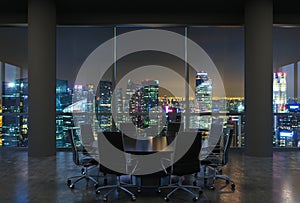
[258, 77]
[41, 77]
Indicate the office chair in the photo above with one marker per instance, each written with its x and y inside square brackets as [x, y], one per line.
[81, 158]
[87, 140]
[172, 130]
[217, 159]
[113, 139]
[188, 164]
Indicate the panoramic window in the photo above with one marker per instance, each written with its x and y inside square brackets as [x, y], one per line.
[145, 83]
[225, 47]
[286, 93]
[14, 87]
[76, 100]
[149, 83]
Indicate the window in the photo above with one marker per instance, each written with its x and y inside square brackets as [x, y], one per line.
[286, 59]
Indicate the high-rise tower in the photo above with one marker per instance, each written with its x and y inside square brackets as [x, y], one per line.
[203, 93]
[279, 92]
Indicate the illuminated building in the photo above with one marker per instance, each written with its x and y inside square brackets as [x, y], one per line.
[15, 100]
[203, 101]
[142, 101]
[235, 105]
[130, 90]
[203, 93]
[279, 92]
[136, 108]
[119, 105]
[150, 94]
[63, 121]
[103, 105]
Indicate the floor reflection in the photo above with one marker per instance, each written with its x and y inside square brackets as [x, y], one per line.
[265, 180]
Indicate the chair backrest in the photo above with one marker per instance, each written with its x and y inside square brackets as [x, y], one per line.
[115, 138]
[172, 130]
[189, 162]
[227, 144]
[173, 126]
[73, 146]
[107, 142]
[87, 136]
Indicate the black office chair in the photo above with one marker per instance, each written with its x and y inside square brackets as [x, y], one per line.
[172, 130]
[81, 158]
[217, 159]
[105, 141]
[88, 139]
[188, 164]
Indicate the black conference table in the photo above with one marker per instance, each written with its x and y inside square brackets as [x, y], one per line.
[145, 145]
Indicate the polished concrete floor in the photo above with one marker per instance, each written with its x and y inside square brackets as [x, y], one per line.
[39, 180]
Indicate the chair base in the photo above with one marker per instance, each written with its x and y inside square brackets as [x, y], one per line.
[180, 186]
[85, 176]
[217, 174]
[227, 179]
[118, 187]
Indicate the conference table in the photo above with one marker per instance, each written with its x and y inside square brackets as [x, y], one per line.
[149, 152]
[146, 145]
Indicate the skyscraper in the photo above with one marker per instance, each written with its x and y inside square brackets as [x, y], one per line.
[150, 91]
[142, 99]
[15, 100]
[279, 92]
[130, 90]
[203, 93]
[103, 105]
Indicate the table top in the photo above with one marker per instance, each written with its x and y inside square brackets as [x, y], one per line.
[146, 145]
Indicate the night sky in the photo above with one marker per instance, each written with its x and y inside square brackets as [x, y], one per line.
[224, 45]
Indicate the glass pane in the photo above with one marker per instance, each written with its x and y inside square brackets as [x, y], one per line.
[14, 107]
[79, 82]
[150, 77]
[286, 59]
[218, 88]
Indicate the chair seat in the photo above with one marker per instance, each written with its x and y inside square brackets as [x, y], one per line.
[185, 168]
[87, 161]
[110, 171]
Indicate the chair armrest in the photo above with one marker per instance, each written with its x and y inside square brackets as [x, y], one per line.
[135, 165]
[163, 161]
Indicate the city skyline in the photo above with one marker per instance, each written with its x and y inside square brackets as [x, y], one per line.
[97, 101]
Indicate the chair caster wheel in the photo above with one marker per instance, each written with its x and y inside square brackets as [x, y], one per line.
[227, 181]
[158, 190]
[200, 192]
[97, 192]
[96, 185]
[212, 187]
[133, 198]
[69, 183]
[139, 190]
[82, 171]
[166, 199]
[232, 186]
[105, 199]
[72, 186]
[195, 199]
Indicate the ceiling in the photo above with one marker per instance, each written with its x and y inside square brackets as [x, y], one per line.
[134, 11]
